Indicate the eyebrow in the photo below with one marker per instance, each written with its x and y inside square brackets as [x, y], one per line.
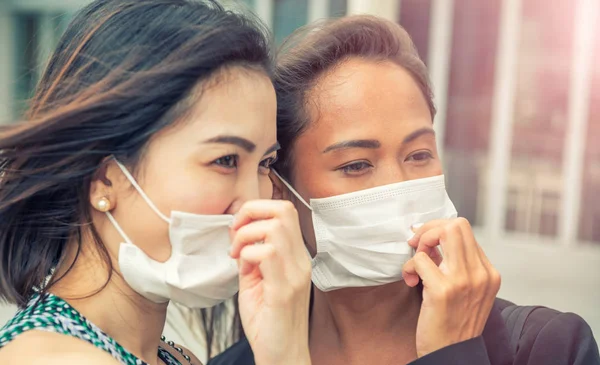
[418, 133]
[374, 144]
[356, 143]
[234, 140]
[273, 148]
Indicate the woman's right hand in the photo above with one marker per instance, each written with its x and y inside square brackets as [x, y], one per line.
[458, 290]
[274, 281]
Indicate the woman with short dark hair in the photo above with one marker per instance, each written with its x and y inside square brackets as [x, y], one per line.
[359, 161]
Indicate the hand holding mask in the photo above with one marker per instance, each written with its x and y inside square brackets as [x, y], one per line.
[274, 281]
[458, 291]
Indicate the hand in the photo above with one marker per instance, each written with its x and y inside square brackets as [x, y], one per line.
[459, 294]
[274, 281]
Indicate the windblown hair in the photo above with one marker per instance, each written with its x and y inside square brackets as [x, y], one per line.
[123, 71]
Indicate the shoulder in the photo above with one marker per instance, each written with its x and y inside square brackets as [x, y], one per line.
[238, 354]
[37, 347]
[544, 335]
[556, 327]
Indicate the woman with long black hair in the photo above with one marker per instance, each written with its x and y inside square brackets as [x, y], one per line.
[140, 176]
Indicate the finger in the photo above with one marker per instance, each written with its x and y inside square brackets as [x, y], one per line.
[409, 274]
[284, 231]
[252, 256]
[450, 238]
[472, 251]
[257, 253]
[483, 256]
[266, 231]
[432, 252]
[245, 268]
[263, 209]
[262, 262]
[425, 268]
[492, 282]
[248, 235]
[420, 228]
[494, 275]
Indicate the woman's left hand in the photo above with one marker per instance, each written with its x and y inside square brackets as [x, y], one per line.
[458, 290]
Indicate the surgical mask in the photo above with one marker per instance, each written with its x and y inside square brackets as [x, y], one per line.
[199, 274]
[362, 237]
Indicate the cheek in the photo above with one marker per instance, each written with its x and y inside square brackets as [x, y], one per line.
[207, 198]
[435, 168]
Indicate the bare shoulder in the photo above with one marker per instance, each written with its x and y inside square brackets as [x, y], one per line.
[40, 347]
[181, 355]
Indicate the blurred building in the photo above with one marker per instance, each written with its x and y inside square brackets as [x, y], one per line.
[517, 86]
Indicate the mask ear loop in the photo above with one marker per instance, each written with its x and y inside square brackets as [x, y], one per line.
[287, 185]
[137, 187]
[118, 228]
[142, 193]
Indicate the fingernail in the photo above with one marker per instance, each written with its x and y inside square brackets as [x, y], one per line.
[232, 223]
[416, 226]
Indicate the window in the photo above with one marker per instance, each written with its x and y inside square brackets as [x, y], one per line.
[27, 27]
[288, 16]
[414, 17]
[469, 107]
[36, 35]
[337, 8]
[589, 228]
[540, 114]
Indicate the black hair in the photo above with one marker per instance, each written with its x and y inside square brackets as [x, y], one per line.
[122, 71]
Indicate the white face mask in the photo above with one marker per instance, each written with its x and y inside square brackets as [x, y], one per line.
[199, 274]
[362, 237]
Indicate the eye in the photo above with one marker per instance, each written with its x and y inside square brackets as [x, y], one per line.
[265, 165]
[229, 161]
[356, 168]
[420, 157]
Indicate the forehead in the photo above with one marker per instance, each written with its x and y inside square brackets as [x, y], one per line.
[359, 94]
[235, 100]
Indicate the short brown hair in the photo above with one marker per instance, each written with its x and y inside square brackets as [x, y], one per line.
[315, 49]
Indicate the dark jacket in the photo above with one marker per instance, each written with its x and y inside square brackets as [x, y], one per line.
[513, 335]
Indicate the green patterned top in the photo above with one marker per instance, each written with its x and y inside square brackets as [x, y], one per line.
[53, 314]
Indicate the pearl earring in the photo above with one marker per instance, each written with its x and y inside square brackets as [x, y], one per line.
[103, 205]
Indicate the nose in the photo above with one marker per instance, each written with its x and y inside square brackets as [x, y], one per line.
[246, 189]
[391, 173]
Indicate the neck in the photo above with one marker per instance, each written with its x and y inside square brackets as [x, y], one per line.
[108, 302]
[346, 319]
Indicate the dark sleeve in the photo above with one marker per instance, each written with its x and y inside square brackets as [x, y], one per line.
[549, 337]
[471, 352]
[238, 354]
[553, 338]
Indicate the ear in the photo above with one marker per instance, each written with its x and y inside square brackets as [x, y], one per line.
[102, 196]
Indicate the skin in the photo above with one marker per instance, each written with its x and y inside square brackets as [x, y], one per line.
[380, 104]
[191, 167]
